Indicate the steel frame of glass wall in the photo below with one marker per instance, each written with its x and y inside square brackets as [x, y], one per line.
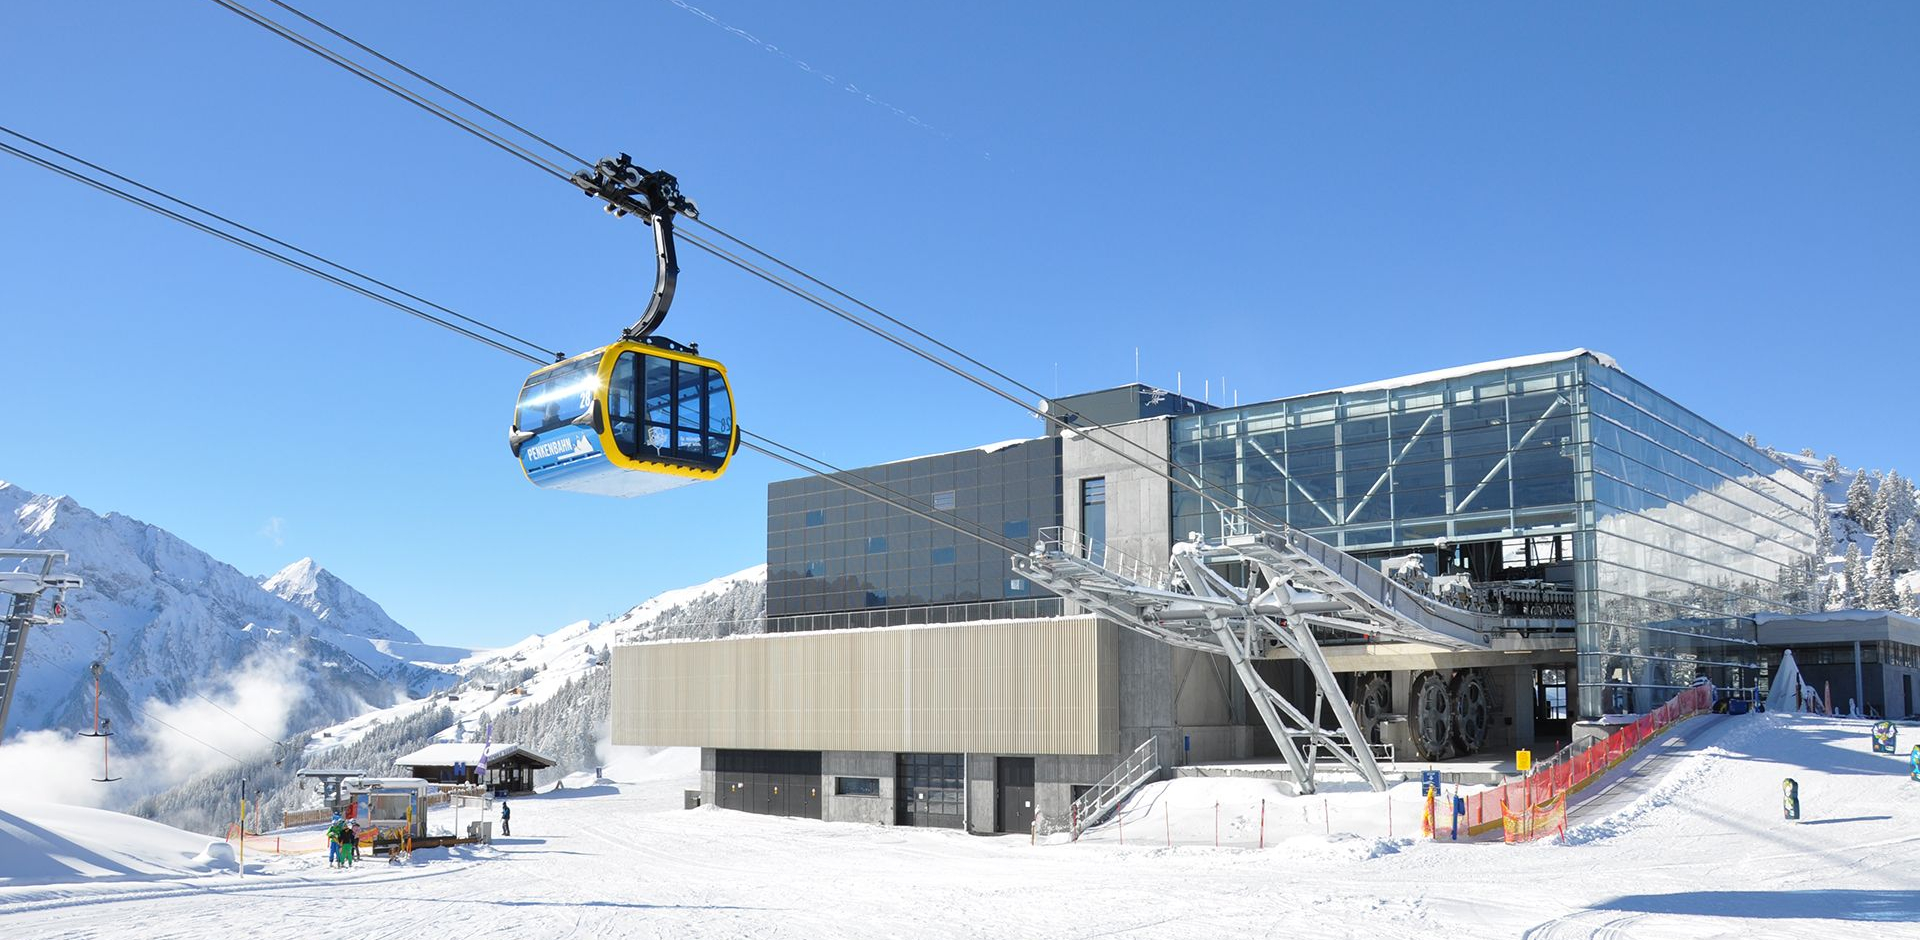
[1475, 456]
[1684, 530]
[837, 559]
[1680, 528]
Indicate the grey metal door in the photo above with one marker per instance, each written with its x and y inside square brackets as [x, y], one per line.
[1013, 787]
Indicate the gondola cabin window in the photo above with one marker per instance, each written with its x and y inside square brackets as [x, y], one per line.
[663, 409]
[558, 397]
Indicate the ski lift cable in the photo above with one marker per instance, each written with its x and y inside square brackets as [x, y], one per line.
[293, 248]
[1082, 426]
[261, 250]
[878, 492]
[463, 99]
[369, 74]
[416, 98]
[159, 721]
[270, 739]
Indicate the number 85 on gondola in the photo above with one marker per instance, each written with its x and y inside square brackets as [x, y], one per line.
[626, 420]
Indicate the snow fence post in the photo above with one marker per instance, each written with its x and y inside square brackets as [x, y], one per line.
[1166, 816]
[1216, 824]
[1263, 823]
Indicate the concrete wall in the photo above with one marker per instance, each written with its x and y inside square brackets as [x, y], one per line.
[872, 810]
[1046, 686]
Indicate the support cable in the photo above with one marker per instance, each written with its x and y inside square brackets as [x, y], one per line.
[766, 445]
[395, 88]
[269, 253]
[1198, 486]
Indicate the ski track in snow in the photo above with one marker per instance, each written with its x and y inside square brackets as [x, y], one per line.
[1703, 852]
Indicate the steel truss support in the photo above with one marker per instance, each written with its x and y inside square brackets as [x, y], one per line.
[1304, 584]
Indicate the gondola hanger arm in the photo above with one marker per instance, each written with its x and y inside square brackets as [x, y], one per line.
[654, 196]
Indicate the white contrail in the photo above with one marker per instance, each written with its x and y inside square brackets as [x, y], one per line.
[807, 67]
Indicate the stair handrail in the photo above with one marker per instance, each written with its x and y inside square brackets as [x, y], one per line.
[1110, 789]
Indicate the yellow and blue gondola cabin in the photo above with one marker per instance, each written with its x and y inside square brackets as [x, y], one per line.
[625, 420]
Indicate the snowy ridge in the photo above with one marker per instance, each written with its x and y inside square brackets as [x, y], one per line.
[549, 693]
[187, 632]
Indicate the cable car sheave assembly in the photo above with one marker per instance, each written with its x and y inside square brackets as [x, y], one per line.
[641, 415]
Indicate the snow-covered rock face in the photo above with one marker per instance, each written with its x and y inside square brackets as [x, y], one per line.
[308, 585]
[181, 625]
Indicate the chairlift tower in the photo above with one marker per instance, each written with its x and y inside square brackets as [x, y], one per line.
[27, 577]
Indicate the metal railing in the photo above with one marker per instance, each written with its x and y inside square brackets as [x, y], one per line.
[1101, 798]
[1072, 543]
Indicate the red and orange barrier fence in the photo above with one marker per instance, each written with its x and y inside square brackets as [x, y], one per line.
[1536, 806]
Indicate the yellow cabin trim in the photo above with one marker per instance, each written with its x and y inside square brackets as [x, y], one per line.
[609, 356]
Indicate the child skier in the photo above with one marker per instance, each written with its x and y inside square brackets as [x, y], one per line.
[335, 832]
[349, 845]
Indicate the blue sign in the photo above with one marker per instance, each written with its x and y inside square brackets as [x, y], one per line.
[460, 769]
[1186, 742]
[1429, 782]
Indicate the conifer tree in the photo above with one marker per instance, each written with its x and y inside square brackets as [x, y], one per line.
[1831, 468]
[1854, 573]
[1879, 591]
[1904, 554]
[1822, 530]
[1896, 502]
[1860, 498]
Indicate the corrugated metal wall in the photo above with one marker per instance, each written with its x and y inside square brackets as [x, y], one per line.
[1013, 687]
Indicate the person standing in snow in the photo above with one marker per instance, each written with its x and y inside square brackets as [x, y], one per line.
[349, 845]
[506, 815]
[334, 832]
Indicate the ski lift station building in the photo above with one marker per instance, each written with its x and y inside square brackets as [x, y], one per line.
[1471, 559]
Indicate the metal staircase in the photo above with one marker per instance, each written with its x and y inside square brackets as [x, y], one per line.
[1307, 584]
[1140, 767]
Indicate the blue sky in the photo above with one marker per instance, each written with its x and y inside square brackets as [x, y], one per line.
[1286, 196]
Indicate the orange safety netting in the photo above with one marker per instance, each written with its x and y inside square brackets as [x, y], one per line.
[1536, 806]
[308, 843]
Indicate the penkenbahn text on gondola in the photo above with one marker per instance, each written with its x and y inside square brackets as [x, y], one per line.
[643, 414]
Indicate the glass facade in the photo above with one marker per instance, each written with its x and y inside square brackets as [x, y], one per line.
[1471, 456]
[1676, 528]
[837, 559]
[1684, 529]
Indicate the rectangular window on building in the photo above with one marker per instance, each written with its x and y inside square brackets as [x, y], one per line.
[816, 517]
[876, 598]
[816, 569]
[876, 544]
[1015, 529]
[856, 786]
[1093, 517]
[942, 556]
[1017, 587]
[943, 500]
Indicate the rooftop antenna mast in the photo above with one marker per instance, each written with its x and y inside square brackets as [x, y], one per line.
[27, 576]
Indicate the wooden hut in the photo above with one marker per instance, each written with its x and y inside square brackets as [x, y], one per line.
[510, 767]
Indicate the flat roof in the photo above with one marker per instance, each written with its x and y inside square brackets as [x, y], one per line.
[1836, 626]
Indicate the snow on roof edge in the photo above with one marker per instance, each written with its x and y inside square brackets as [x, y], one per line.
[1435, 375]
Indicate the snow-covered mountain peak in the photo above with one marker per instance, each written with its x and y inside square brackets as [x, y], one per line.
[306, 584]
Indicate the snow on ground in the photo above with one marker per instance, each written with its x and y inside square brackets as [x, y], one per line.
[55, 844]
[1701, 852]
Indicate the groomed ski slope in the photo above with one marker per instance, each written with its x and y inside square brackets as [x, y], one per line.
[1702, 852]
